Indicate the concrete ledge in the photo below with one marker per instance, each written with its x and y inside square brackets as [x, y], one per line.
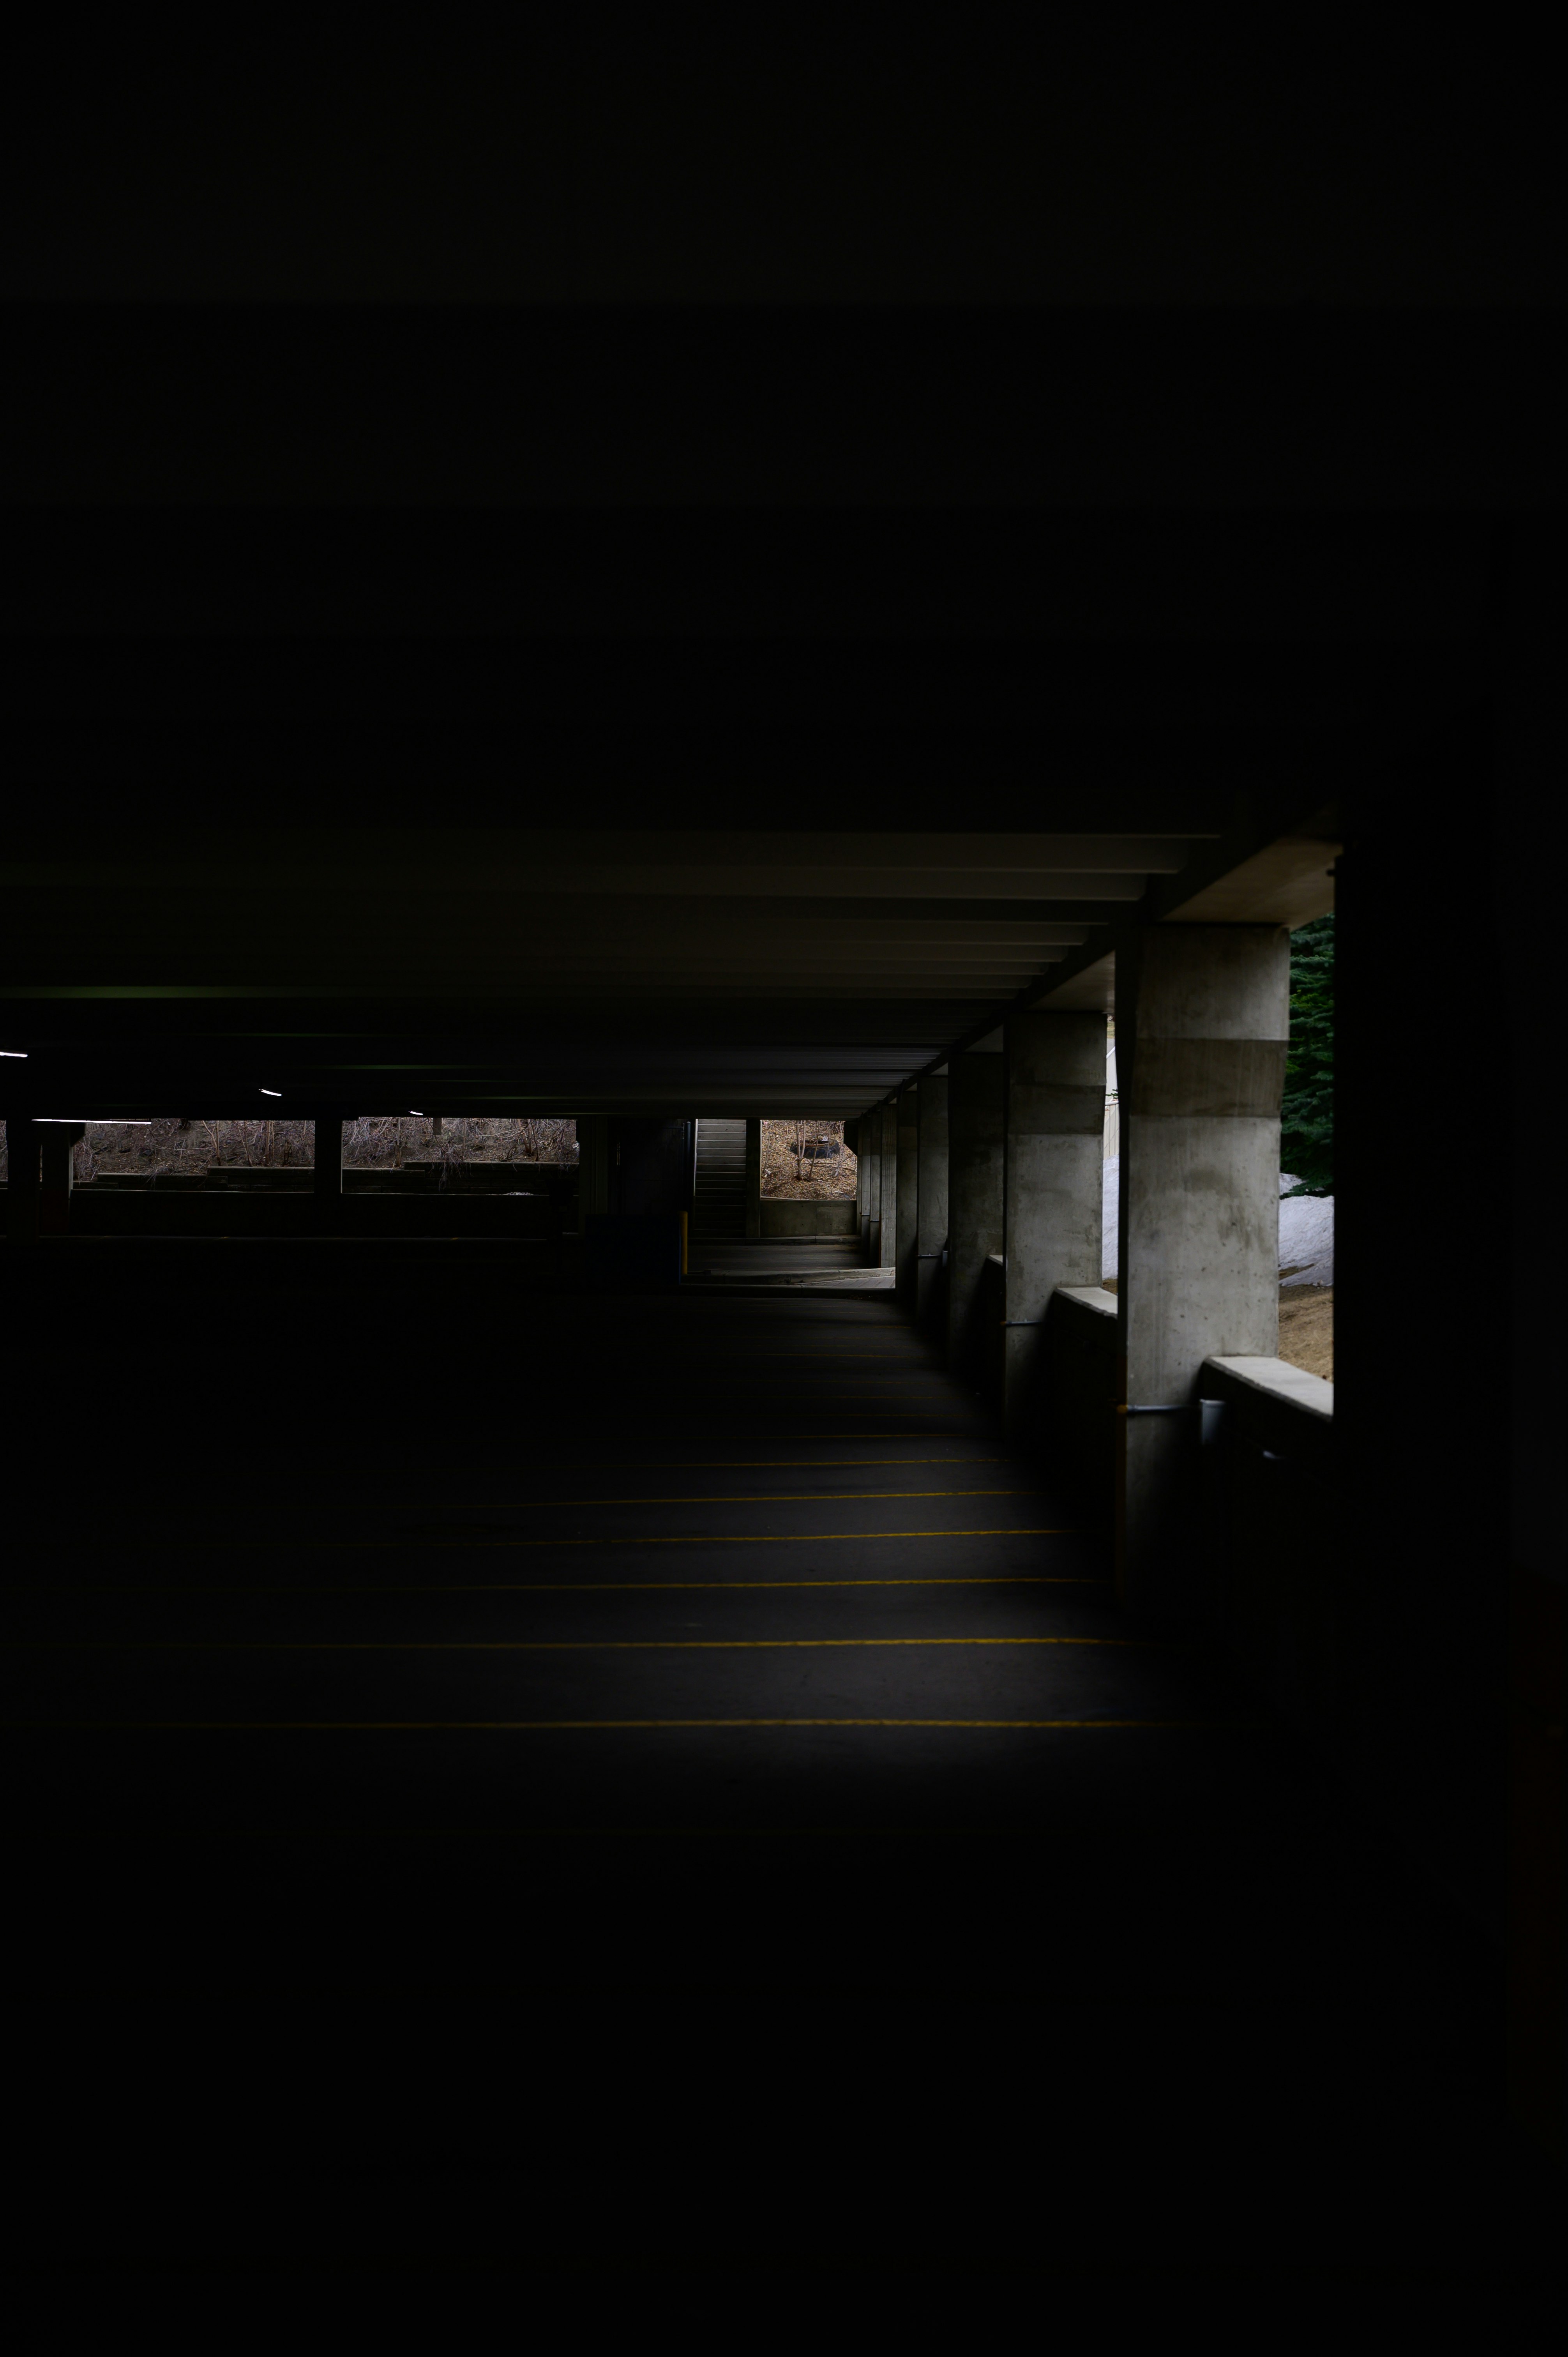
[1281, 1586]
[1277, 1410]
[483, 1179]
[241, 1212]
[810, 1221]
[1281, 1380]
[1077, 1423]
[1087, 1296]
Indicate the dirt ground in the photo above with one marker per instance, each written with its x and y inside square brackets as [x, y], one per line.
[1306, 1327]
[821, 1178]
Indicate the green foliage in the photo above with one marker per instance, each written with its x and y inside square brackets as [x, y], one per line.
[1306, 1126]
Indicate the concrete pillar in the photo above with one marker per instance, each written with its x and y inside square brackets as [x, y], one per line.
[871, 1164]
[593, 1167]
[754, 1178]
[887, 1248]
[1054, 1186]
[327, 1177]
[1202, 1022]
[22, 1178]
[908, 1194]
[931, 1210]
[975, 1144]
[57, 1174]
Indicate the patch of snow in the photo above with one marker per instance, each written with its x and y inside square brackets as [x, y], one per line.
[1306, 1236]
[1306, 1232]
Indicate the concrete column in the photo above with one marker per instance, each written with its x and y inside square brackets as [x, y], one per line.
[22, 1178]
[908, 1193]
[754, 1178]
[931, 1220]
[326, 1178]
[1054, 1186]
[593, 1167]
[976, 1154]
[1202, 1022]
[57, 1174]
[870, 1163]
[852, 1139]
[887, 1250]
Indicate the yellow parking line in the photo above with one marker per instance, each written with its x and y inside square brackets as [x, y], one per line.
[568, 1586]
[526, 1644]
[674, 1538]
[724, 1497]
[584, 1726]
[676, 1465]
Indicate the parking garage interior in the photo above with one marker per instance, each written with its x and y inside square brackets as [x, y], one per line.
[563, 1727]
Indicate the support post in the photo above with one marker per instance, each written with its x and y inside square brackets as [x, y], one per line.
[1202, 1024]
[327, 1173]
[754, 1178]
[593, 1167]
[871, 1165]
[908, 1194]
[22, 1178]
[1054, 1186]
[975, 1152]
[888, 1247]
[57, 1141]
[931, 1220]
[852, 1145]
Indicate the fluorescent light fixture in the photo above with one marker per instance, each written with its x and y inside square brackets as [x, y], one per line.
[414, 1113]
[271, 1093]
[93, 1120]
[14, 1051]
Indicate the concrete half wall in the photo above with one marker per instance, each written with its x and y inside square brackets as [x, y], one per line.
[835, 1217]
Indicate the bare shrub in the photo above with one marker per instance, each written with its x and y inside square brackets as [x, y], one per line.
[373, 1141]
[807, 1158]
[543, 1140]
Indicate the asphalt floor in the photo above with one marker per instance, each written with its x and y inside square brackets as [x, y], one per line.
[511, 1777]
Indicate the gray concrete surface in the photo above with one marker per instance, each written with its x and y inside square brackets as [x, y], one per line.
[931, 1118]
[976, 1152]
[1202, 1026]
[1055, 1112]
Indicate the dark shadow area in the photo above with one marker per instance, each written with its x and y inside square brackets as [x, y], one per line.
[532, 1779]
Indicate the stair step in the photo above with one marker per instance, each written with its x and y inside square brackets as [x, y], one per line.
[718, 1210]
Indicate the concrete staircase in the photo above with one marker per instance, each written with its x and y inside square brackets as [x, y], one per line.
[719, 1202]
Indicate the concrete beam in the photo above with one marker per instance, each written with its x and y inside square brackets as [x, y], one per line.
[1287, 883]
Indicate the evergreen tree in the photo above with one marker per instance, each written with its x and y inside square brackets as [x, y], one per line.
[1306, 1125]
